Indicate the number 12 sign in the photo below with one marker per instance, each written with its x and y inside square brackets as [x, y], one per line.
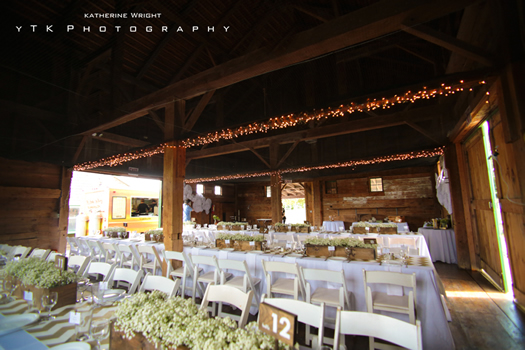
[277, 323]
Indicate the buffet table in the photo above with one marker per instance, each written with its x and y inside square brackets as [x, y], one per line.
[436, 333]
[334, 226]
[441, 244]
[401, 226]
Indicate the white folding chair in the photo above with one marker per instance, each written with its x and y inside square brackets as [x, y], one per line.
[230, 295]
[78, 263]
[128, 256]
[181, 272]
[309, 314]
[112, 253]
[74, 249]
[149, 258]
[99, 268]
[208, 277]
[288, 286]
[160, 283]
[83, 247]
[245, 282]
[336, 297]
[130, 277]
[51, 256]
[98, 252]
[405, 304]
[20, 251]
[379, 326]
[40, 253]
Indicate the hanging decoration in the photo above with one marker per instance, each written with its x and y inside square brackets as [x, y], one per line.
[287, 121]
[352, 163]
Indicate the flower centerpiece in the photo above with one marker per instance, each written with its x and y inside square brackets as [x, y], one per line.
[240, 242]
[216, 218]
[114, 232]
[231, 226]
[152, 321]
[387, 228]
[302, 228]
[41, 277]
[352, 248]
[156, 235]
[280, 227]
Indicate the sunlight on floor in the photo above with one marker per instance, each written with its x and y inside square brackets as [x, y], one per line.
[480, 295]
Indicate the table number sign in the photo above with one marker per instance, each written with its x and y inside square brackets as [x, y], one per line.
[277, 323]
[75, 317]
[28, 296]
[288, 245]
[61, 262]
[331, 248]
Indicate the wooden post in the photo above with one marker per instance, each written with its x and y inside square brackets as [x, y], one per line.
[458, 212]
[63, 218]
[172, 194]
[318, 203]
[277, 214]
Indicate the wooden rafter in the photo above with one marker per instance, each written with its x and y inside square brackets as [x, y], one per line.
[384, 16]
[311, 11]
[259, 156]
[450, 43]
[156, 119]
[350, 127]
[192, 119]
[422, 131]
[292, 147]
[79, 148]
[156, 51]
[120, 140]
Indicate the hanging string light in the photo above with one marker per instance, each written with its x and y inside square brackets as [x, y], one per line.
[287, 121]
[352, 163]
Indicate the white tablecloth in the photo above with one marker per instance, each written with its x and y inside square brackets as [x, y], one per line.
[436, 334]
[441, 244]
[401, 226]
[334, 226]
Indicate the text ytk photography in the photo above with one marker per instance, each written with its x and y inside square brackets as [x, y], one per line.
[50, 28]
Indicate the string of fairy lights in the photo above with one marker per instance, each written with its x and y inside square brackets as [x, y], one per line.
[287, 121]
[352, 163]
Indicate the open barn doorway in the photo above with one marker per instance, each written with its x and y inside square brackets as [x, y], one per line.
[293, 201]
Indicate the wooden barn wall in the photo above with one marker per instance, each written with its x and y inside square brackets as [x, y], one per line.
[33, 196]
[252, 201]
[408, 192]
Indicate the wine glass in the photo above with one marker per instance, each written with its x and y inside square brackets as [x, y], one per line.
[48, 302]
[99, 330]
[10, 287]
[82, 285]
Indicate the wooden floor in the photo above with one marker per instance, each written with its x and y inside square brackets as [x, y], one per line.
[482, 317]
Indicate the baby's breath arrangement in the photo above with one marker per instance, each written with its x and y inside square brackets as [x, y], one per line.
[155, 232]
[300, 225]
[240, 237]
[40, 273]
[280, 224]
[227, 223]
[178, 322]
[367, 224]
[115, 229]
[339, 242]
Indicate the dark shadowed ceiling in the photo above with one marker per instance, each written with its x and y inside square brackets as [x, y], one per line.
[76, 89]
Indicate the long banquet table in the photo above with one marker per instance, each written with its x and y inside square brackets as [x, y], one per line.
[436, 334]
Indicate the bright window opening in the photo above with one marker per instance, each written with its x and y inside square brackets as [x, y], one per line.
[200, 189]
[268, 191]
[376, 184]
[218, 190]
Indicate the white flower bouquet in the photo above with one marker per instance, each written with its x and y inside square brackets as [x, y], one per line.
[339, 242]
[178, 322]
[39, 273]
[240, 237]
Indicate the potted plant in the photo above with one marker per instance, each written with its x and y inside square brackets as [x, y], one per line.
[114, 231]
[216, 219]
[155, 235]
[240, 241]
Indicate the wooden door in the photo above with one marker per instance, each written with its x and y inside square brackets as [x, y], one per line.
[508, 191]
[481, 211]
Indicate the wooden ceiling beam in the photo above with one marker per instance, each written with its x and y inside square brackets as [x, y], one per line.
[422, 131]
[311, 11]
[29, 111]
[156, 51]
[450, 43]
[120, 140]
[192, 119]
[292, 147]
[350, 127]
[382, 18]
